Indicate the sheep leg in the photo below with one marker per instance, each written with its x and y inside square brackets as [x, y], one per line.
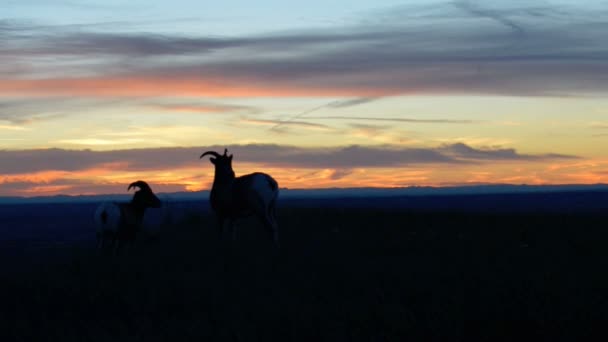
[271, 227]
[220, 226]
[116, 244]
[233, 228]
[100, 241]
[275, 234]
[128, 247]
[272, 219]
[265, 213]
[274, 228]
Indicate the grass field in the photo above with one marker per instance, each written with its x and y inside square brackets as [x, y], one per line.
[341, 275]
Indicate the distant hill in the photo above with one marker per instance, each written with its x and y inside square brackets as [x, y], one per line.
[333, 193]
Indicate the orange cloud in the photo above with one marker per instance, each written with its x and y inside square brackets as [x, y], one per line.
[113, 179]
[45, 190]
[159, 86]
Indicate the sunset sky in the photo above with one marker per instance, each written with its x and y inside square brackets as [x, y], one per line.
[97, 94]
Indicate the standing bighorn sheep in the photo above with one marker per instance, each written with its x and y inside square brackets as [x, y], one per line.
[120, 222]
[235, 197]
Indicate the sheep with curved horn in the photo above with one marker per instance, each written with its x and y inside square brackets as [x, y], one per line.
[119, 223]
[235, 197]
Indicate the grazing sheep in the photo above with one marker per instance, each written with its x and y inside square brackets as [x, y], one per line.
[235, 197]
[120, 222]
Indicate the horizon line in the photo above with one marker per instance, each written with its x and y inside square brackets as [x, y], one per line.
[388, 189]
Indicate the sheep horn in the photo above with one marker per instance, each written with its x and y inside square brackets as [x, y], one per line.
[140, 184]
[213, 153]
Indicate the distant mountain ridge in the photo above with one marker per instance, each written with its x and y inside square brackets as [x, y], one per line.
[330, 193]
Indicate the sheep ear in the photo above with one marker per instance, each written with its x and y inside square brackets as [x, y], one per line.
[212, 160]
[230, 157]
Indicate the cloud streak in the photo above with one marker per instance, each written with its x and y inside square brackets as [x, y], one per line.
[201, 107]
[405, 120]
[277, 123]
[29, 161]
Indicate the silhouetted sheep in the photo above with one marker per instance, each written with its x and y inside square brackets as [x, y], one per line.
[235, 197]
[120, 222]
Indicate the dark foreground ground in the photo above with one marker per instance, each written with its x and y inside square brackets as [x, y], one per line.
[342, 275]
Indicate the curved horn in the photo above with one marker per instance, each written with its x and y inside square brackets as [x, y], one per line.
[140, 184]
[213, 153]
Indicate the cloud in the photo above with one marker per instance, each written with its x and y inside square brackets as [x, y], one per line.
[369, 130]
[75, 186]
[347, 157]
[351, 102]
[599, 125]
[339, 174]
[407, 120]
[101, 142]
[463, 151]
[201, 107]
[334, 104]
[513, 48]
[293, 123]
[358, 156]
[498, 16]
[23, 111]
[12, 128]
[57, 171]
[354, 102]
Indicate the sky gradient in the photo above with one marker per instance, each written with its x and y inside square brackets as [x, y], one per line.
[97, 94]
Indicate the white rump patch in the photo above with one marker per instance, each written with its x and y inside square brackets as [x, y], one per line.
[262, 186]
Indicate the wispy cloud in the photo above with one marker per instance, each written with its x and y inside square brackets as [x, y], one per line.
[334, 104]
[340, 173]
[399, 119]
[293, 123]
[351, 102]
[201, 107]
[39, 184]
[369, 130]
[599, 125]
[100, 142]
[27, 110]
[500, 16]
[12, 128]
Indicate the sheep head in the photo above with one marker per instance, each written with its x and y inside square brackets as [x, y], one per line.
[223, 163]
[144, 197]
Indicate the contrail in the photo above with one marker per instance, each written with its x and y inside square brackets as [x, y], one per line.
[298, 116]
[332, 104]
[493, 15]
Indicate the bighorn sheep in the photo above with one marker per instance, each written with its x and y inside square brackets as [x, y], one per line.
[235, 197]
[120, 222]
